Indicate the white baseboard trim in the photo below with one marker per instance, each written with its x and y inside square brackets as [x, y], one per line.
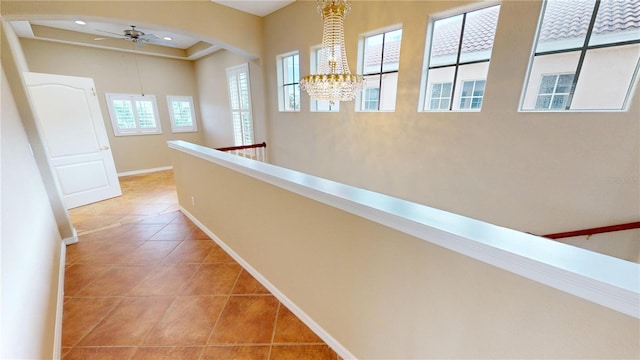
[57, 335]
[317, 329]
[144, 171]
[71, 240]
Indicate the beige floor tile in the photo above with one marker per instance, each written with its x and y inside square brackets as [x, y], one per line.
[129, 322]
[188, 321]
[168, 353]
[246, 320]
[81, 315]
[252, 352]
[213, 279]
[166, 279]
[302, 352]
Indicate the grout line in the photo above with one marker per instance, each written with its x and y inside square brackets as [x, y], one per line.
[98, 322]
[85, 232]
[109, 267]
[215, 325]
[275, 326]
[151, 328]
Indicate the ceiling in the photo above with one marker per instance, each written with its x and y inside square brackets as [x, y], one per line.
[109, 35]
[256, 7]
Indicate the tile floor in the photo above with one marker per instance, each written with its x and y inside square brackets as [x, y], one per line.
[145, 283]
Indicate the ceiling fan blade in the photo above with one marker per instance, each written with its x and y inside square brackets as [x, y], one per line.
[154, 39]
[109, 32]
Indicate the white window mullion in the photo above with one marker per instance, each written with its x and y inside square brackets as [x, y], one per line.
[115, 112]
[182, 114]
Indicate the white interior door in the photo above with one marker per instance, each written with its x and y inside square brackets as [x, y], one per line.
[74, 133]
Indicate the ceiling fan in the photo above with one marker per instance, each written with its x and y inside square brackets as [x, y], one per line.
[136, 36]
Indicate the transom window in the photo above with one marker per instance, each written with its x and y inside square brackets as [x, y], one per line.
[182, 114]
[380, 62]
[457, 57]
[289, 82]
[133, 114]
[585, 56]
[240, 104]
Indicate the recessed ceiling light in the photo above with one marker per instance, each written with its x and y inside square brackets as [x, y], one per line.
[168, 38]
[80, 22]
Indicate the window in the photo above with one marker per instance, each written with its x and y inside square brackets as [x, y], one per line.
[471, 95]
[182, 114]
[440, 96]
[371, 96]
[585, 56]
[240, 103]
[320, 105]
[289, 82]
[554, 92]
[380, 62]
[133, 114]
[457, 57]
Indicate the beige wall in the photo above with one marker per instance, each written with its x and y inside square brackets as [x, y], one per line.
[116, 72]
[535, 172]
[214, 97]
[30, 245]
[383, 294]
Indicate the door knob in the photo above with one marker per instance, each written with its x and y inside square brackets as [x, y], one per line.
[104, 148]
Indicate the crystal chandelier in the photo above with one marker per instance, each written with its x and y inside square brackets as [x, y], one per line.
[333, 81]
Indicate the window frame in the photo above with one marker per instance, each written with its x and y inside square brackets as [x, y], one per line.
[174, 127]
[133, 98]
[244, 136]
[282, 86]
[360, 98]
[583, 52]
[424, 103]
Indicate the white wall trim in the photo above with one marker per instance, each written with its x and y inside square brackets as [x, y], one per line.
[599, 278]
[73, 239]
[144, 171]
[57, 335]
[317, 329]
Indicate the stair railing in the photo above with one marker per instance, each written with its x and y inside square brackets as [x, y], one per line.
[253, 151]
[593, 231]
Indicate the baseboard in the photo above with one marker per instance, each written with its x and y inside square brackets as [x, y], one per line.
[71, 240]
[57, 336]
[144, 171]
[317, 329]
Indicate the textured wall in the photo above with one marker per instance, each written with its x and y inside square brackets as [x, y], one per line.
[534, 172]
